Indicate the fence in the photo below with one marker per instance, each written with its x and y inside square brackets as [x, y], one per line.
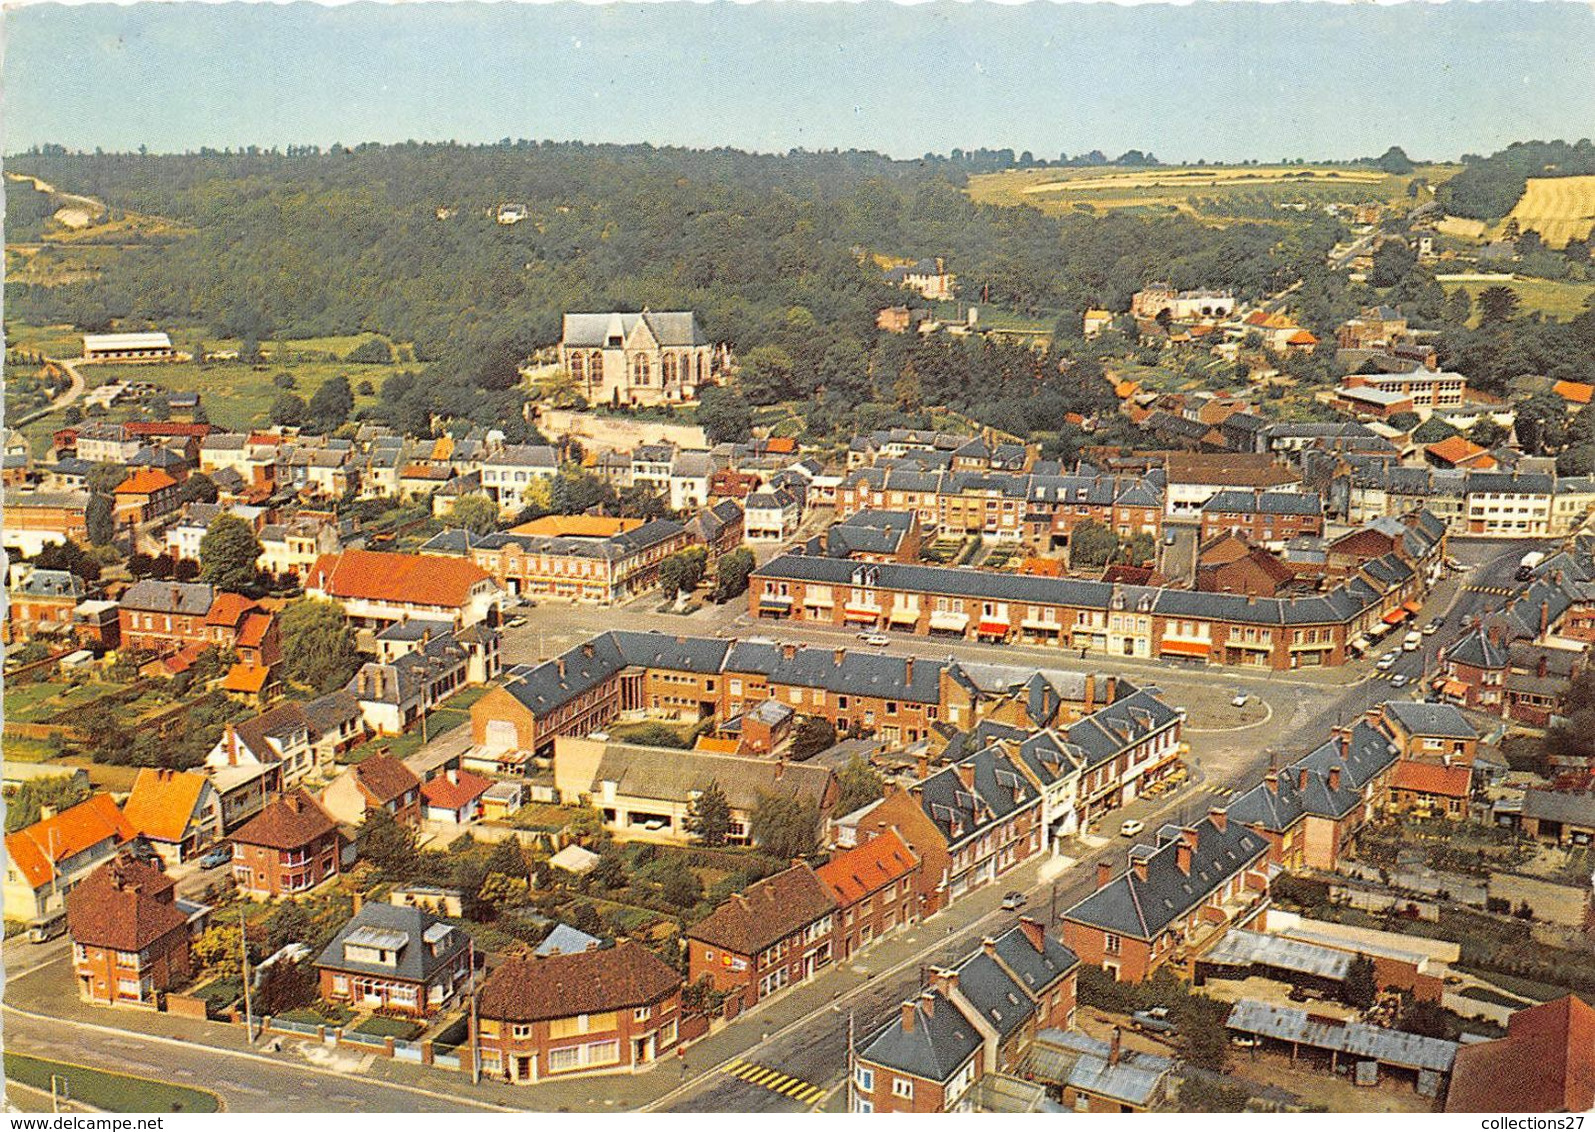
[446, 1060]
[406, 1051]
[292, 1027]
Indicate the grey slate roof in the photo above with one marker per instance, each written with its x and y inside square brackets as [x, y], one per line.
[941, 1041]
[670, 328]
[1440, 720]
[1265, 503]
[416, 963]
[192, 598]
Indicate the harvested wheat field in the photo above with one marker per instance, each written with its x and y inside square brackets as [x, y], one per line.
[1558, 208]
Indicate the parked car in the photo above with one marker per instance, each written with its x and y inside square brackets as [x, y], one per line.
[217, 856]
[1132, 828]
[1411, 641]
[1244, 1041]
[1013, 901]
[514, 622]
[1386, 662]
[1241, 700]
[1155, 1020]
[875, 639]
[1399, 680]
[1433, 627]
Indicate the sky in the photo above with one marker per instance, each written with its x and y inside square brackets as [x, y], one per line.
[1214, 80]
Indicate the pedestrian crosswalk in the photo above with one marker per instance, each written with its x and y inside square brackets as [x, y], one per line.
[1222, 791]
[1498, 591]
[767, 1078]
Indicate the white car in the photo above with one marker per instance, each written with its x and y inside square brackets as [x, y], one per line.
[1386, 662]
[1132, 828]
[874, 639]
[1241, 700]
[1399, 680]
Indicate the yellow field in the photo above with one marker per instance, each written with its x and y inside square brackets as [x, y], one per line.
[1552, 298]
[1198, 189]
[1558, 208]
[1462, 227]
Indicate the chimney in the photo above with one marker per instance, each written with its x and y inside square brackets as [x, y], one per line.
[1104, 874]
[945, 979]
[1090, 691]
[922, 766]
[1301, 778]
[1113, 690]
[966, 775]
[1034, 932]
[453, 776]
[1334, 778]
[1345, 743]
[989, 946]
[840, 654]
[1271, 780]
[1545, 617]
[788, 651]
[908, 1016]
[908, 672]
[742, 901]
[1114, 1047]
[1219, 818]
[1182, 857]
[232, 746]
[359, 902]
[587, 649]
[1189, 836]
[1138, 866]
[1542, 666]
[927, 1003]
[559, 665]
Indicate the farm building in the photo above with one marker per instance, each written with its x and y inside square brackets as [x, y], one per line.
[128, 348]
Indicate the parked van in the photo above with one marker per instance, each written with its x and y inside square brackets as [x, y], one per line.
[1411, 641]
[48, 928]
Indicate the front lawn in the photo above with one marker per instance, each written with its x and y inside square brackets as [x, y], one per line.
[113, 1092]
[379, 1026]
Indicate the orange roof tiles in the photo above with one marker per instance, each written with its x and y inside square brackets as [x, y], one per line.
[577, 526]
[375, 575]
[1303, 338]
[882, 860]
[227, 609]
[70, 832]
[1432, 778]
[1577, 392]
[246, 678]
[145, 481]
[162, 802]
[253, 631]
[1457, 450]
[781, 445]
[717, 746]
[450, 794]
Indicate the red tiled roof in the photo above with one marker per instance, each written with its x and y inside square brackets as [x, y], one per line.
[253, 631]
[165, 428]
[123, 905]
[385, 778]
[70, 832]
[290, 822]
[1578, 392]
[622, 977]
[228, 608]
[162, 802]
[376, 575]
[781, 444]
[1456, 449]
[880, 861]
[1546, 1063]
[246, 678]
[451, 795]
[145, 481]
[1432, 778]
[768, 912]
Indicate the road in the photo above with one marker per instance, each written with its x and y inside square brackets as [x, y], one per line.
[73, 392]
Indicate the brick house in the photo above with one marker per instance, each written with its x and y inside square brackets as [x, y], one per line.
[45, 860]
[145, 495]
[974, 1020]
[1263, 516]
[395, 958]
[178, 812]
[610, 1009]
[165, 617]
[873, 887]
[130, 936]
[777, 933]
[379, 782]
[1435, 733]
[1430, 789]
[290, 847]
[1176, 898]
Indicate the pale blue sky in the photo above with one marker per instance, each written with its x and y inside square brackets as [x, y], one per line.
[1215, 80]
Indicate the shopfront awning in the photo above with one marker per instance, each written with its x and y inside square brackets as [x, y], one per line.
[774, 601]
[1413, 607]
[819, 601]
[993, 629]
[904, 616]
[1454, 688]
[1036, 626]
[949, 622]
[1378, 631]
[860, 613]
[1395, 616]
[1357, 643]
[1186, 648]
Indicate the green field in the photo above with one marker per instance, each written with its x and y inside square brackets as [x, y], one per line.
[1552, 298]
[1215, 192]
[110, 1092]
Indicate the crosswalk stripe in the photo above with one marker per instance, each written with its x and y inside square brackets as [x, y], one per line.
[761, 1076]
[811, 1095]
[778, 1082]
[793, 1087]
[736, 1064]
[748, 1071]
[804, 1092]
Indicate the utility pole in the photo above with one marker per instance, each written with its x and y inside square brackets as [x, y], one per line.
[851, 1070]
[476, 1045]
[243, 951]
[1052, 912]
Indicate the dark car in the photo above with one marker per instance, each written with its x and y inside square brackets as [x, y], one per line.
[217, 856]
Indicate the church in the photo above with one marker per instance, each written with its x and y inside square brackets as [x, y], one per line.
[651, 358]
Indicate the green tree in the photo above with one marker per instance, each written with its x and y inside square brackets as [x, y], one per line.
[198, 488]
[25, 806]
[1394, 160]
[387, 843]
[1406, 422]
[1091, 545]
[1141, 549]
[858, 784]
[766, 375]
[731, 573]
[1497, 305]
[372, 351]
[681, 887]
[812, 735]
[289, 410]
[785, 827]
[228, 553]
[1362, 985]
[724, 415]
[219, 950]
[476, 513]
[318, 646]
[683, 570]
[709, 816]
[1457, 308]
[100, 519]
[104, 478]
[331, 404]
[1486, 433]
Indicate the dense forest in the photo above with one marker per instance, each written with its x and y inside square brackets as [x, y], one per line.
[1488, 187]
[772, 251]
